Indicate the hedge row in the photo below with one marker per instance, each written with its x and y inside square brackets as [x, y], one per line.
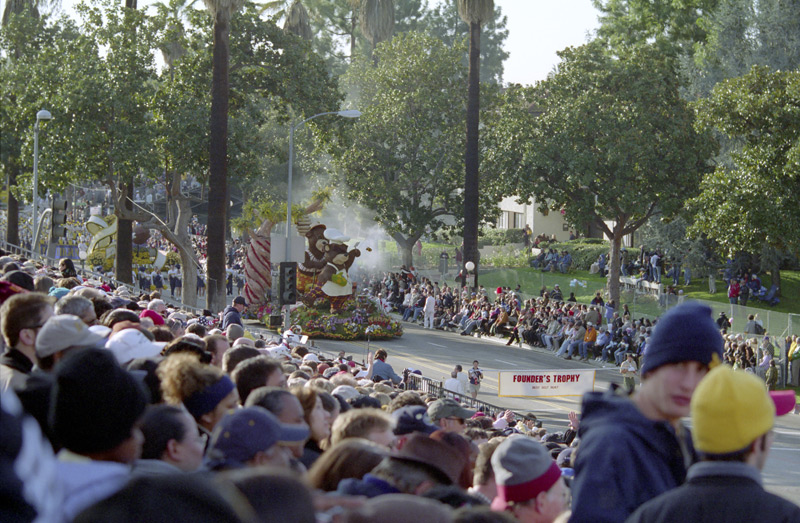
[499, 237]
[585, 251]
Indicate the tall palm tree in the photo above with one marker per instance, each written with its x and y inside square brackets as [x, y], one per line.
[297, 21]
[377, 20]
[221, 11]
[474, 13]
[123, 260]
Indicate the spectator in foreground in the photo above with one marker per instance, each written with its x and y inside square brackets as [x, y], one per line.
[416, 468]
[95, 412]
[253, 437]
[171, 442]
[449, 415]
[732, 420]
[529, 483]
[641, 438]
[21, 318]
[204, 390]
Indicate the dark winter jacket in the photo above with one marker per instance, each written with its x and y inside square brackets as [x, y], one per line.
[231, 315]
[624, 459]
[726, 492]
[370, 486]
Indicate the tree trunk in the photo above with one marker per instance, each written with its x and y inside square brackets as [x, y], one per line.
[405, 246]
[775, 276]
[124, 257]
[614, 267]
[12, 223]
[184, 245]
[353, 22]
[471, 158]
[218, 176]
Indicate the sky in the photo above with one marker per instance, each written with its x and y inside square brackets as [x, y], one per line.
[537, 29]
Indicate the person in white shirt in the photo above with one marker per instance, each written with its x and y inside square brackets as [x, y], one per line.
[429, 309]
[453, 384]
[463, 378]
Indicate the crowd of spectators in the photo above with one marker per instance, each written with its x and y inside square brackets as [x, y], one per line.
[148, 413]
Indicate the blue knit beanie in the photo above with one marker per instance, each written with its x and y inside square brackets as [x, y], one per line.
[685, 333]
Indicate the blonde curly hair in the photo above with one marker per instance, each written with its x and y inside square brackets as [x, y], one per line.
[182, 375]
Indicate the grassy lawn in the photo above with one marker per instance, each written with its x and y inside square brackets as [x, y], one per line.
[586, 285]
[531, 280]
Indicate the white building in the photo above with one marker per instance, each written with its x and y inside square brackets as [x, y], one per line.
[514, 215]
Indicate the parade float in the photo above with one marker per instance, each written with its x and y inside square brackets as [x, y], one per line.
[328, 303]
[103, 246]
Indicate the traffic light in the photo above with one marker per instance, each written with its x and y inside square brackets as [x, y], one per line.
[58, 219]
[288, 283]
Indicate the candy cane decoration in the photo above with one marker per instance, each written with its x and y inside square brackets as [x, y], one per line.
[257, 270]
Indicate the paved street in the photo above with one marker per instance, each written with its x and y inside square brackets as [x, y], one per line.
[436, 352]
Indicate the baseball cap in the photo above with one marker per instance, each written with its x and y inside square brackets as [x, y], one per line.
[448, 408]
[239, 300]
[243, 433]
[731, 409]
[413, 418]
[280, 351]
[62, 332]
[129, 344]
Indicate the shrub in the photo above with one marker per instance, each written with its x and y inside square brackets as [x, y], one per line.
[583, 254]
[585, 251]
[507, 257]
[499, 237]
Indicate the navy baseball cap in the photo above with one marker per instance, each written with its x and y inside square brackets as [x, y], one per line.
[247, 431]
[413, 418]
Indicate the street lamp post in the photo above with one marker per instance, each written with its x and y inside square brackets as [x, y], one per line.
[350, 113]
[41, 115]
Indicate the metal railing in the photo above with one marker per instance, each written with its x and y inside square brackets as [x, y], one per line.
[436, 388]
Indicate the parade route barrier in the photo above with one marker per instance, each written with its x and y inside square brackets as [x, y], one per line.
[544, 383]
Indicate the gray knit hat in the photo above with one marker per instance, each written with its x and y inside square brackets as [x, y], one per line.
[522, 469]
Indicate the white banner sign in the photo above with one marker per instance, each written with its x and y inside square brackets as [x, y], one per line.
[541, 383]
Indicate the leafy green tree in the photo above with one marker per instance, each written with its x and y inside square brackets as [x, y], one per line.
[753, 202]
[403, 157]
[671, 238]
[20, 43]
[744, 33]
[606, 139]
[672, 26]
[102, 125]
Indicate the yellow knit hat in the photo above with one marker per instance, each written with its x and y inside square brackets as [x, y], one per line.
[730, 409]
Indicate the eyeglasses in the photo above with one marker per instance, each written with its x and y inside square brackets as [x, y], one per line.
[453, 418]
